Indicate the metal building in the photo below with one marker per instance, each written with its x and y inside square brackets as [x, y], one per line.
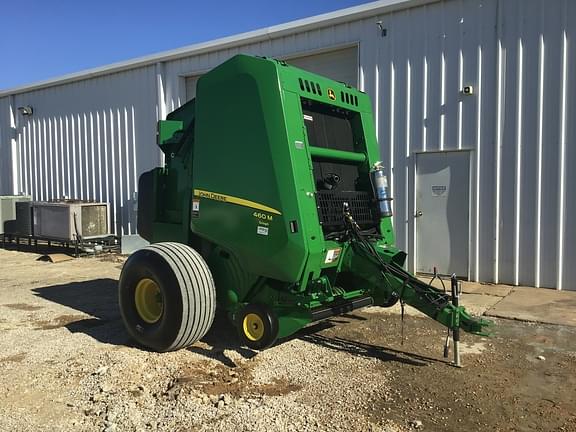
[473, 101]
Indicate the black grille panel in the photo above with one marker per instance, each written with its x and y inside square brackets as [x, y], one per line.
[331, 209]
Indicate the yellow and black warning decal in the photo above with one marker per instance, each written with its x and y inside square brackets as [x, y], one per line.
[234, 200]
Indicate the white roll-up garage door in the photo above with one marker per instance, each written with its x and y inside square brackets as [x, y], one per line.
[191, 82]
[340, 65]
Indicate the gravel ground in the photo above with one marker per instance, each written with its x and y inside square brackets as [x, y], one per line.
[66, 363]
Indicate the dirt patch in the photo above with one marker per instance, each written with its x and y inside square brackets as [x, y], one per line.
[238, 381]
[113, 258]
[16, 358]
[22, 306]
[60, 321]
[354, 372]
[503, 385]
[278, 387]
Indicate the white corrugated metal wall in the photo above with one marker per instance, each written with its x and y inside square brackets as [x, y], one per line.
[81, 141]
[517, 54]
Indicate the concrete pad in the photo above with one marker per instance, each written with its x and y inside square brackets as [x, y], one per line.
[395, 310]
[478, 304]
[436, 283]
[538, 305]
[131, 243]
[471, 287]
[486, 289]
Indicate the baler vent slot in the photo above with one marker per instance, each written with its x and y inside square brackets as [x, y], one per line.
[331, 209]
[349, 98]
[310, 87]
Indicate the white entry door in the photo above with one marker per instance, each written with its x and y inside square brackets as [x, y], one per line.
[442, 212]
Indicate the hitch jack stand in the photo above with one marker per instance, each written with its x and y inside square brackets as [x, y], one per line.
[456, 329]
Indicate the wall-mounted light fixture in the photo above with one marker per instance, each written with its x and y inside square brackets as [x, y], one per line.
[468, 90]
[26, 110]
[383, 30]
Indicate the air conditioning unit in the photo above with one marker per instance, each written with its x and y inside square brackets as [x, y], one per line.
[24, 218]
[8, 212]
[67, 221]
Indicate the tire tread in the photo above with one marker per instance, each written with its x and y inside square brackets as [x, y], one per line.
[197, 291]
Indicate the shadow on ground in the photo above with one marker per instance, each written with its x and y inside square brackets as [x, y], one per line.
[222, 336]
[98, 298]
[360, 349]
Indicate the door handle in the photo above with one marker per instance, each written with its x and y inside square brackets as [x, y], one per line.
[418, 213]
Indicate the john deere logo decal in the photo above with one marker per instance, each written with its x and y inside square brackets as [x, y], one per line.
[331, 94]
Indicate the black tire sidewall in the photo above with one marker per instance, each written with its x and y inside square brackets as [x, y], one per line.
[160, 335]
[270, 326]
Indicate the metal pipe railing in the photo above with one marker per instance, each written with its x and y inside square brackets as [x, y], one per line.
[322, 153]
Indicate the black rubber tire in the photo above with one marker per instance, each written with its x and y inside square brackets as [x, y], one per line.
[187, 288]
[270, 326]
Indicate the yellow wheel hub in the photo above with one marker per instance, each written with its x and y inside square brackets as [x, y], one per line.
[253, 327]
[149, 301]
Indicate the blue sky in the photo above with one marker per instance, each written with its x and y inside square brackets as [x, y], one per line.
[41, 39]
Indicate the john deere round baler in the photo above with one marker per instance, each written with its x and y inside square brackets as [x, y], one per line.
[272, 206]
